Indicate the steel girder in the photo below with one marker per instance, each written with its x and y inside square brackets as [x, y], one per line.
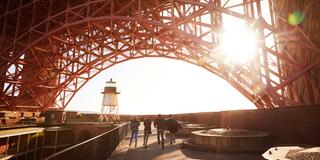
[49, 49]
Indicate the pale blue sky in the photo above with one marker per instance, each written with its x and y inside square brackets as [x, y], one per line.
[159, 85]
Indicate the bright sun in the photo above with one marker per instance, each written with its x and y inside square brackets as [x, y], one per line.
[239, 47]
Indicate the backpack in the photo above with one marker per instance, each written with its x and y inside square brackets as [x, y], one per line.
[172, 125]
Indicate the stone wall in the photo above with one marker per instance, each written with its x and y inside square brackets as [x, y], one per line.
[287, 125]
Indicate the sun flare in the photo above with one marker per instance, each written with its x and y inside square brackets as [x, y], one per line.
[239, 47]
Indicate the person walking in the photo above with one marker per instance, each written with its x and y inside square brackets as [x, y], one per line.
[172, 126]
[160, 124]
[147, 131]
[134, 127]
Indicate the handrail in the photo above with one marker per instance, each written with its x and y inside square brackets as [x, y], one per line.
[84, 142]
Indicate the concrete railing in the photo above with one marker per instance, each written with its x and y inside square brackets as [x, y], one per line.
[96, 148]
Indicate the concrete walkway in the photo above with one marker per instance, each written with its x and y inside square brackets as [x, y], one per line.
[170, 152]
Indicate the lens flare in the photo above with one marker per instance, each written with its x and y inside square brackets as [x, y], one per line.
[295, 18]
[239, 47]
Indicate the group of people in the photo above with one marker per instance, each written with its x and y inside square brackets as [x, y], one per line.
[160, 123]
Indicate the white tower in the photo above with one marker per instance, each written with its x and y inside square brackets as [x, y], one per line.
[109, 108]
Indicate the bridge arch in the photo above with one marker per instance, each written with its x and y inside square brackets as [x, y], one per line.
[46, 62]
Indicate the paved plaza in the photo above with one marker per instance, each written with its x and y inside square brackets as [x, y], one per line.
[170, 152]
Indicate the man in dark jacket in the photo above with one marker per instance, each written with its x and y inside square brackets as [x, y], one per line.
[172, 126]
[160, 124]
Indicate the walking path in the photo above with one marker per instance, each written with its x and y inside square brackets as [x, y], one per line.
[170, 152]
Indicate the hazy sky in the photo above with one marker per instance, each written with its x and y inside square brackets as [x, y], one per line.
[160, 85]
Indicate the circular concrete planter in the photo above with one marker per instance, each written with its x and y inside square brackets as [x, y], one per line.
[229, 140]
[188, 128]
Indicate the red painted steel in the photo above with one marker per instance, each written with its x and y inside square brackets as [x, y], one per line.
[50, 49]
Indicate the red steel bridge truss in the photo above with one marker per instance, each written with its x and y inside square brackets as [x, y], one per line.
[49, 49]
